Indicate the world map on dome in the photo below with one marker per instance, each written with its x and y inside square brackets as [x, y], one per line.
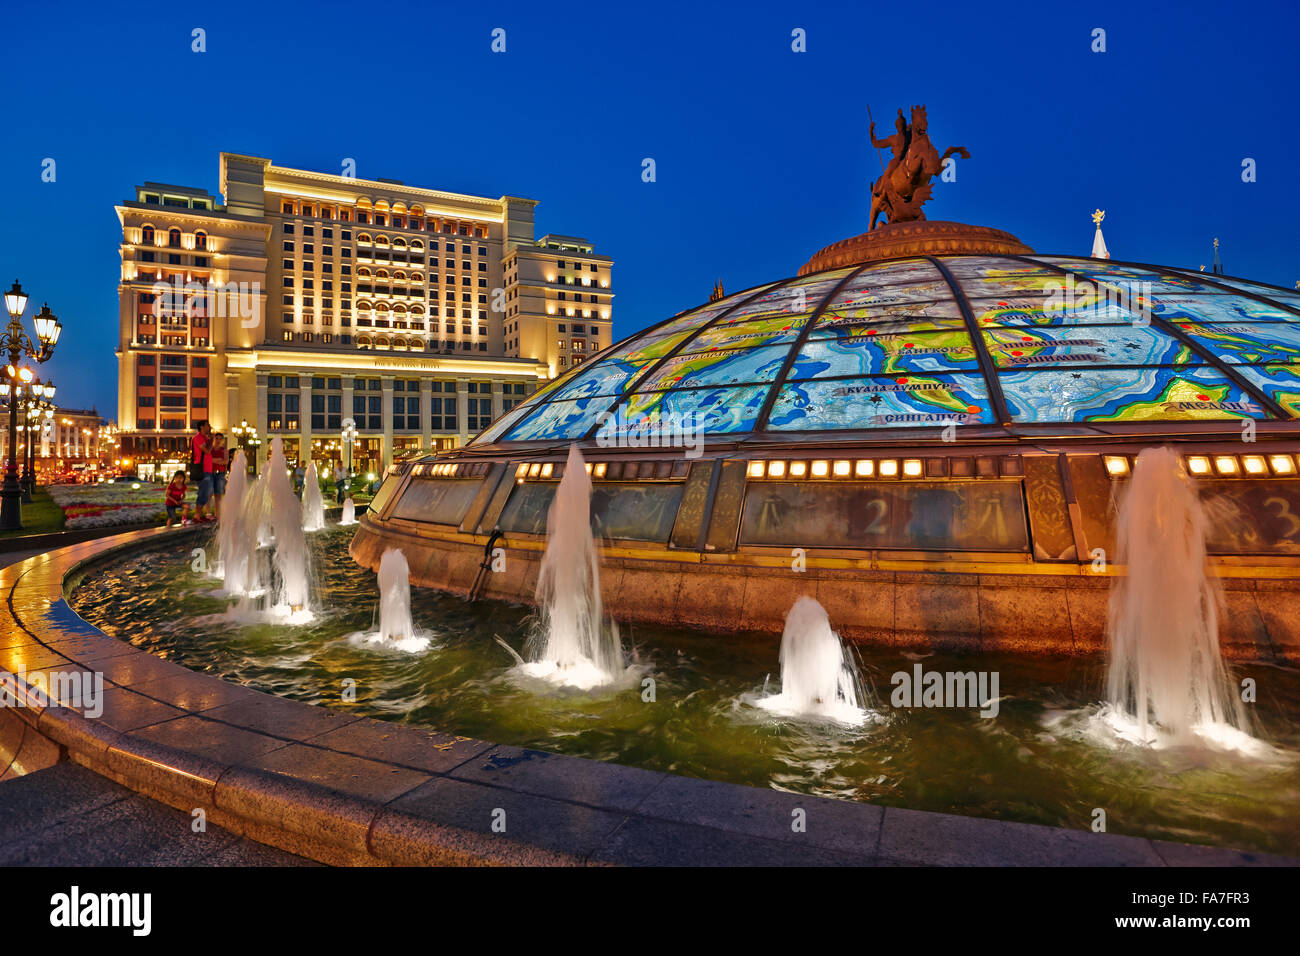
[932, 341]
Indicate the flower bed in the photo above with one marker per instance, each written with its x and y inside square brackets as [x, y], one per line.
[111, 504]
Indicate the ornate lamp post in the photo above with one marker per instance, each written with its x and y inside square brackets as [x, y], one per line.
[246, 435]
[349, 437]
[16, 342]
[32, 411]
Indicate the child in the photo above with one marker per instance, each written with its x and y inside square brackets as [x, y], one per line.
[176, 498]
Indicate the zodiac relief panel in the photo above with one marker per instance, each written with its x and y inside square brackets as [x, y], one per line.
[930, 515]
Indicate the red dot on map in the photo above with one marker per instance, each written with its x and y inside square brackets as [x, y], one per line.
[1002, 305]
[901, 381]
[1202, 398]
[1017, 352]
[972, 408]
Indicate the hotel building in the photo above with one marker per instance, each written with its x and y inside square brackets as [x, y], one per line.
[307, 299]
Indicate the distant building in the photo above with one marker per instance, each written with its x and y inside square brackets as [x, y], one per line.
[72, 440]
[308, 299]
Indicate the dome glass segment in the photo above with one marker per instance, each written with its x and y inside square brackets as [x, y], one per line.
[928, 341]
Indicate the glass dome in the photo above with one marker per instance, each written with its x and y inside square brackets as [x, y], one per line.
[923, 342]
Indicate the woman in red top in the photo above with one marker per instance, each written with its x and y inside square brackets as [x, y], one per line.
[175, 498]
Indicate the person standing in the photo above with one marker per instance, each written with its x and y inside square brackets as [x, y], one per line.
[220, 465]
[201, 469]
[340, 478]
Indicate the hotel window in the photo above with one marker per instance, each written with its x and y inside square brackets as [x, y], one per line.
[146, 380]
[146, 236]
[286, 208]
[174, 238]
[200, 240]
[287, 228]
[479, 413]
[288, 336]
[287, 263]
[288, 245]
[308, 230]
[442, 407]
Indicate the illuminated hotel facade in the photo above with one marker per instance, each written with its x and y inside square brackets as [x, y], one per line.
[308, 299]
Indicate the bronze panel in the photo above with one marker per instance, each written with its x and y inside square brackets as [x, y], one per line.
[484, 495]
[1049, 516]
[690, 515]
[1092, 490]
[1252, 515]
[724, 521]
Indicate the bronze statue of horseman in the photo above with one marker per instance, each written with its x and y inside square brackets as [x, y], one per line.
[905, 184]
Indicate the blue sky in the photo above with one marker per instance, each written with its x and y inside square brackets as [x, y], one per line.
[761, 153]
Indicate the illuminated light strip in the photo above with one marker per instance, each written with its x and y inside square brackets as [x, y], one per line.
[1282, 464]
[1116, 465]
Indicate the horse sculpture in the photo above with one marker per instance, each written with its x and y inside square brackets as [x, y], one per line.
[905, 185]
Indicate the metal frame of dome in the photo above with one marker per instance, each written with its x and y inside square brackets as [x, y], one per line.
[1005, 427]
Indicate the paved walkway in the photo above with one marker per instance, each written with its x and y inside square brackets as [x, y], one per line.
[67, 815]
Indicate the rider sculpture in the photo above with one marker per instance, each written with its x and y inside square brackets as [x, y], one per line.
[905, 185]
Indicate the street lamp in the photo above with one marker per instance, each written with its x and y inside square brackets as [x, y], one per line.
[246, 434]
[32, 412]
[17, 343]
[349, 436]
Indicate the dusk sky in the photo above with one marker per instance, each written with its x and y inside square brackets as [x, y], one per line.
[761, 152]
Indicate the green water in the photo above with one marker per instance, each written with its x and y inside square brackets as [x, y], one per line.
[1013, 766]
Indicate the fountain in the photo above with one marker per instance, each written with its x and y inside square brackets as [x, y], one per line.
[396, 628]
[290, 596]
[819, 678]
[1166, 680]
[313, 505]
[573, 644]
[349, 515]
[232, 552]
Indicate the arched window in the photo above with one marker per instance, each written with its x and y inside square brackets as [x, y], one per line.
[146, 236]
[200, 240]
[363, 342]
[174, 238]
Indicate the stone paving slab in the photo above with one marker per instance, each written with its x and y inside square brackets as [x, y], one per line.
[67, 815]
[340, 788]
